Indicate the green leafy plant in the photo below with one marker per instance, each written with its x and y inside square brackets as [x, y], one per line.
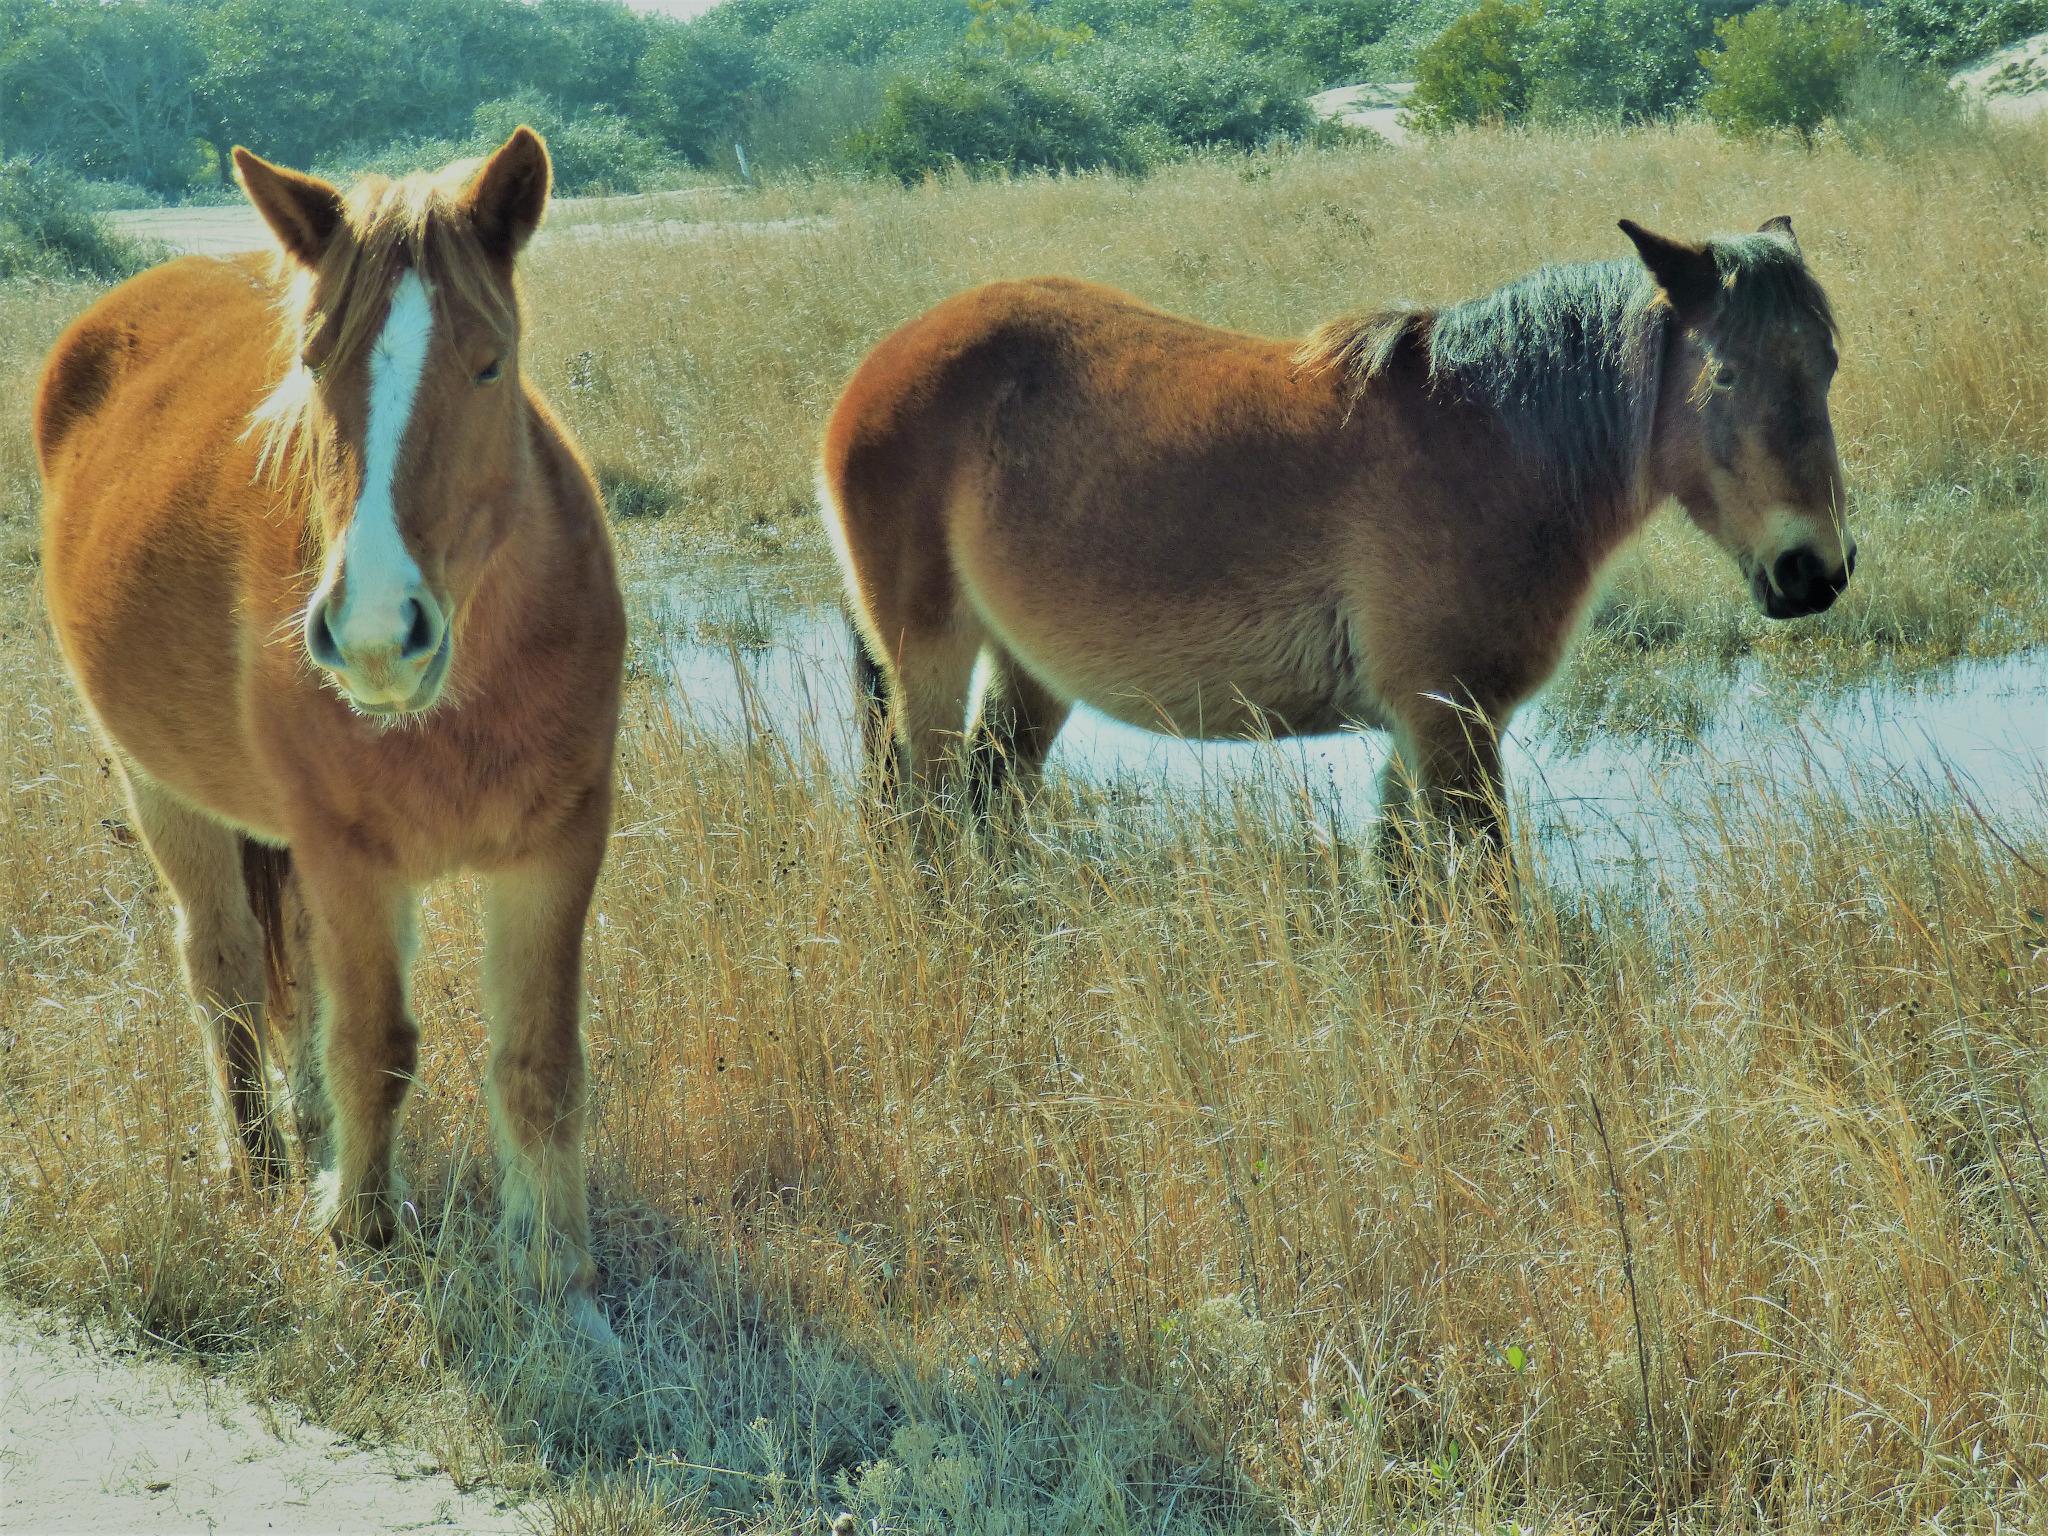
[1479, 68]
[49, 229]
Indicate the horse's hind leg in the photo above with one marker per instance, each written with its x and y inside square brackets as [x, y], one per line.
[927, 679]
[220, 945]
[1016, 721]
[311, 1111]
[880, 752]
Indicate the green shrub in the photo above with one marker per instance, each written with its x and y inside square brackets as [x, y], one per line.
[986, 115]
[1479, 68]
[48, 229]
[1786, 66]
[113, 196]
[592, 150]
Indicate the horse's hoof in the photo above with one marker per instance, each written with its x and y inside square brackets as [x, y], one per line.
[367, 1219]
[587, 1321]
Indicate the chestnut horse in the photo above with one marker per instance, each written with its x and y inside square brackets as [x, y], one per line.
[338, 592]
[1396, 523]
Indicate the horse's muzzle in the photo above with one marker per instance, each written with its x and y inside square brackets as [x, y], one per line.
[394, 673]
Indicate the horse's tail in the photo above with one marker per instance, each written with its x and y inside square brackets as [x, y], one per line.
[266, 873]
[871, 684]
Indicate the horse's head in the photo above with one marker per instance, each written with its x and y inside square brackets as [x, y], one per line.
[401, 405]
[1742, 436]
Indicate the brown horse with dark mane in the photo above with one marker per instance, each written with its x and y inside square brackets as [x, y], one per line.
[339, 595]
[1396, 523]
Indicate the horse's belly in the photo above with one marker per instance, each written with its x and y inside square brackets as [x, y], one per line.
[1284, 671]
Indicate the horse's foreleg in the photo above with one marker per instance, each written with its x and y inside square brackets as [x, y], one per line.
[220, 946]
[364, 930]
[533, 997]
[1444, 776]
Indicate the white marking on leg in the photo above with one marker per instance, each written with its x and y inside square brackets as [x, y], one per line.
[379, 571]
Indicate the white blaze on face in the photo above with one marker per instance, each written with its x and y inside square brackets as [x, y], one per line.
[378, 573]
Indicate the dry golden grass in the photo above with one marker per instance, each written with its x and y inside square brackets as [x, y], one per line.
[1166, 1179]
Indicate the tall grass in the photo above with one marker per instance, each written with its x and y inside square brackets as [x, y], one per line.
[1167, 1177]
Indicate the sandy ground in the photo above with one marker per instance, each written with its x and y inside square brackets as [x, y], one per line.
[2013, 82]
[1377, 107]
[92, 1442]
[225, 231]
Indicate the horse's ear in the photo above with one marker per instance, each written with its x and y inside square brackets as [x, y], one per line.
[302, 211]
[1781, 226]
[1684, 271]
[508, 195]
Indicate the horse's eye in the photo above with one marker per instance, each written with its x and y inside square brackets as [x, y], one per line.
[1724, 378]
[491, 372]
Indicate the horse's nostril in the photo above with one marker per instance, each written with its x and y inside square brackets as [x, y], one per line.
[320, 642]
[422, 634]
[1797, 573]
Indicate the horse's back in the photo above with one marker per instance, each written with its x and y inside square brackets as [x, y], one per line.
[1061, 406]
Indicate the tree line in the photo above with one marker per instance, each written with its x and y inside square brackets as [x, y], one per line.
[153, 92]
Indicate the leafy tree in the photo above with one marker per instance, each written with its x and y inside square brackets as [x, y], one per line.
[286, 78]
[1785, 66]
[587, 51]
[1324, 38]
[1015, 30]
[1621, 59]
[697, 83]
[1479, 68]
[866, 31]
[1948, 33]
[105, 90]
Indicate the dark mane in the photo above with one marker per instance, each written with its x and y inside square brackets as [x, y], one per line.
[1768, 285]
[1568, 357]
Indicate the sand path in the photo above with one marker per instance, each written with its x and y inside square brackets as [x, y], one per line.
[96, 1441]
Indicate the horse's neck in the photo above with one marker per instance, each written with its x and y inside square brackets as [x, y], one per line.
[540, 565]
